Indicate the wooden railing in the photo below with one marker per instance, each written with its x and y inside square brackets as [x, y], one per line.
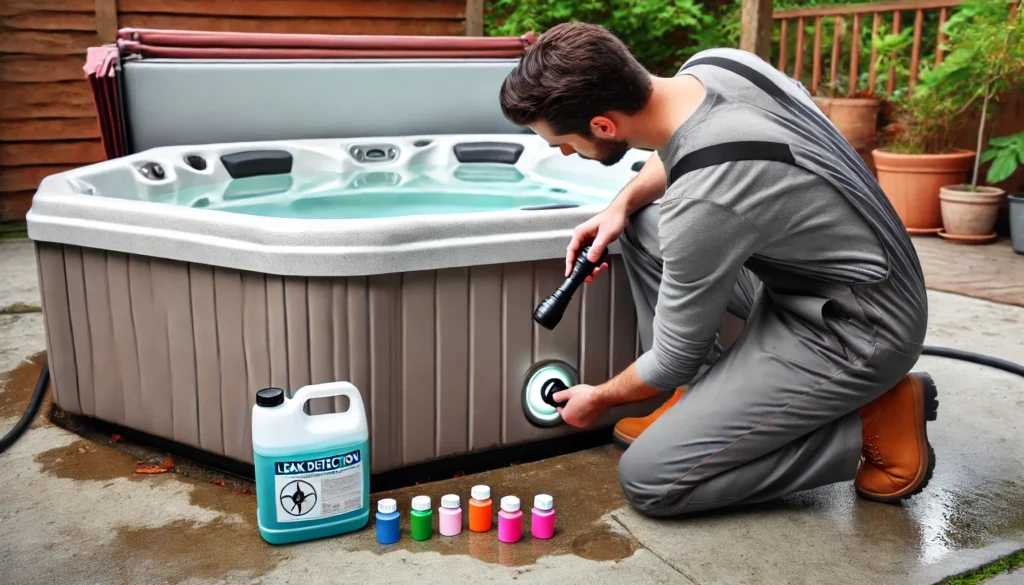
[891, 14]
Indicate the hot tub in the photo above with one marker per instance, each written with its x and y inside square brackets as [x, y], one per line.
[178, 281]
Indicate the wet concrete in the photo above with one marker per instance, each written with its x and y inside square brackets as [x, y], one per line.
[19, 285]
[579, 529]
[73, 511]
[83, 460]
[18, 385]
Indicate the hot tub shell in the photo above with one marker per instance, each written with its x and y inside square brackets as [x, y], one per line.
[168, 319]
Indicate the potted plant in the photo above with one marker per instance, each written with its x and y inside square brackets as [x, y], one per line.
[855, 116]
[1005, 154]
[988, 58]
[921, 158]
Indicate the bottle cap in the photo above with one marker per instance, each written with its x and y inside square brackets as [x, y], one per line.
[510, 503]
[421, 503]
[480, 492]
[450, 501]
[543, 502]
[270, 397]
[387, 506]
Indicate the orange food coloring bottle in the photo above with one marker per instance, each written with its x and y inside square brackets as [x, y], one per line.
[480, 509]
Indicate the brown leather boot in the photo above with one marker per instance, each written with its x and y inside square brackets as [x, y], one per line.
[898, 460]
[628, 429]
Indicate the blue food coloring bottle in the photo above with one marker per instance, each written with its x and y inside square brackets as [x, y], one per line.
[312, 471]
[387, 521]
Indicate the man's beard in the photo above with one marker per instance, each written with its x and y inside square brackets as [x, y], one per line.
[609, 151]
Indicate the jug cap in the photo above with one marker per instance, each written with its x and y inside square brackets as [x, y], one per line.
[480, 492]
[543, 502]
[510, 503]
[421, 503]
[450, 501]
[387, 506]
[270, 397]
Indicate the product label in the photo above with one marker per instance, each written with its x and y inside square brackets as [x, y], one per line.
[318, 488]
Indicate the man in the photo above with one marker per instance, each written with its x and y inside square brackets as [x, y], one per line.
[756, 206]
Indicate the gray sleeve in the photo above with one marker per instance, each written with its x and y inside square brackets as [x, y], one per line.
[704, 246]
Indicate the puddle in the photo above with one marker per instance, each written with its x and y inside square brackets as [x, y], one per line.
[18, 385]
[164, 553]
[224, 499]
[604, 545]
[952, 519]
[85, 460]
[579, 508]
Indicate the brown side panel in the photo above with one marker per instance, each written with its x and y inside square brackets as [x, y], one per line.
[517, 343]
[485, 358]
[150, 324]
[623, 327]
[59, 337]
[79, 311]
[233, 376]
[385, 376]
[257, 349]
[129, 412]
[204, 324]
[358, 315]
[171, 286]
[296, 305]
[106, 383]
[339, 361]
[418, 374]
[277, 333]
[595, 327]
[321, 340]
[452, 325]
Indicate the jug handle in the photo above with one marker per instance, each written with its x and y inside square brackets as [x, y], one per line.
[328, 389]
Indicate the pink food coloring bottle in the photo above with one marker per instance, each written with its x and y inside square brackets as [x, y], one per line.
[510, 520]
[450, 516]
[542, 519]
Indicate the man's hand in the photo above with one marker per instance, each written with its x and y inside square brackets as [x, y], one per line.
[584, 406]
[602, 229]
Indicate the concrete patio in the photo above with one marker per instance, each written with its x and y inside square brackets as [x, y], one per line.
[74, 511]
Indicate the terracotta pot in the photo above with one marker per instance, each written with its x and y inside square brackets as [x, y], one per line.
[855, 118]
[912, 183]
[970, 213]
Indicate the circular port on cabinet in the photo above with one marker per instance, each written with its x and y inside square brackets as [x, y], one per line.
[542, 381]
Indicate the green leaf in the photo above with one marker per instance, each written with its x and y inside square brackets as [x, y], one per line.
[989, 155]
[1003, 141]
[1004, 166]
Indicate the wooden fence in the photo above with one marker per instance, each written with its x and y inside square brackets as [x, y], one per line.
[799, 36]
[47, 119]
[847, 42]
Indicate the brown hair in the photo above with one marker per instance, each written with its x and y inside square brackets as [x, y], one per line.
[575, 71]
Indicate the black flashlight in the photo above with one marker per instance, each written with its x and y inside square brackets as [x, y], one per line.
[549, 312]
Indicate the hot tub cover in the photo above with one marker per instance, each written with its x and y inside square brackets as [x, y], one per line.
[103, 63]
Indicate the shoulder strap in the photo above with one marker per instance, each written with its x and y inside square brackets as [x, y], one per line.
[730, 151]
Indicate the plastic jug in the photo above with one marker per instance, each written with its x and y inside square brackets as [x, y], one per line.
[312, 471]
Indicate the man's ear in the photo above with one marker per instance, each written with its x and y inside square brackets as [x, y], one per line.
[603, 127]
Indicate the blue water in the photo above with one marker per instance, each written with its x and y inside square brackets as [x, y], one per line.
[430, 191]
[314, 493]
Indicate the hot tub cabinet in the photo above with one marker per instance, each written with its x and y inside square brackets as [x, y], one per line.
[177, 282]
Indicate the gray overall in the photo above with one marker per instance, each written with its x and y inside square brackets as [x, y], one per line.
[770, 216]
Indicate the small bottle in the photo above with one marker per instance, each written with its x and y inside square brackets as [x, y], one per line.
[421, 519]
[481, 510]
[542, 518]
[387, 521]
[510, 520]
[449, 515]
